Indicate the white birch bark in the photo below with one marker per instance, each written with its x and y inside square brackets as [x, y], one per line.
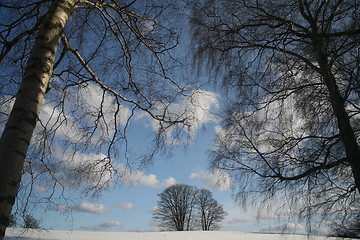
[18, 131]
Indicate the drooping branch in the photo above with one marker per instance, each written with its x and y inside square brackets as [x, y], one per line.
[105, 87]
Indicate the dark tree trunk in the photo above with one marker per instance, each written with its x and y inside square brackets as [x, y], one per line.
[346, 131]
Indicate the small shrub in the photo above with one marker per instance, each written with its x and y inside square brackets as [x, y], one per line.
[31, 222]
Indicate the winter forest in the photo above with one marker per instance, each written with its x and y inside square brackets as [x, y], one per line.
[117, 106]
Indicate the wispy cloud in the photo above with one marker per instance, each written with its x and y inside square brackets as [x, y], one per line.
[98, 172]
[102, 226]
[94, 168]
[195, 109]
[240, 220]
[40, 189]
[126, 206]
[285, 228]
[217, 179]
[238, 217]
[80, 110]
[84, 207]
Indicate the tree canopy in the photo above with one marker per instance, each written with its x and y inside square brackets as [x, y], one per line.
[291, 73]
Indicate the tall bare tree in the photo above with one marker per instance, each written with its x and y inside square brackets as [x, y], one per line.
[98, 63]
[291, 71]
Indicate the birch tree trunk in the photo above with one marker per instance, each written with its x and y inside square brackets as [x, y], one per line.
[18, 131]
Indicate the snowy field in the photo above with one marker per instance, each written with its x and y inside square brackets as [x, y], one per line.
[13, 234]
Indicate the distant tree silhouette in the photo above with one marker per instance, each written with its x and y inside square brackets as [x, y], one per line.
[175, 207]
[182, 207]
[209, 210]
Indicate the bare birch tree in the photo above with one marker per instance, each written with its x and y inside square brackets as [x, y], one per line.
[291, 73]
[98, 63]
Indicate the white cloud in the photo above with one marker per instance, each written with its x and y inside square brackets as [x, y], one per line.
[217, 179]
[169, 182]
[126, 206]
[196, 109]
[135, 178]
[102, 226]
[155, 209]
[92, 97]
[84, 207]
[40, 189]
[91, 208]
[146, 180]
[147, 26]
[66, 126]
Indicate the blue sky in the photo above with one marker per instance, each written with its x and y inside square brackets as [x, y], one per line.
[129, 207]
[128, 203]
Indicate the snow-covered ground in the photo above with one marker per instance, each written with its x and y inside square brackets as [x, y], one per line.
[13, 234]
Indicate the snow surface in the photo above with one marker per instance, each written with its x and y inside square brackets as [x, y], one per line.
[21, 234]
